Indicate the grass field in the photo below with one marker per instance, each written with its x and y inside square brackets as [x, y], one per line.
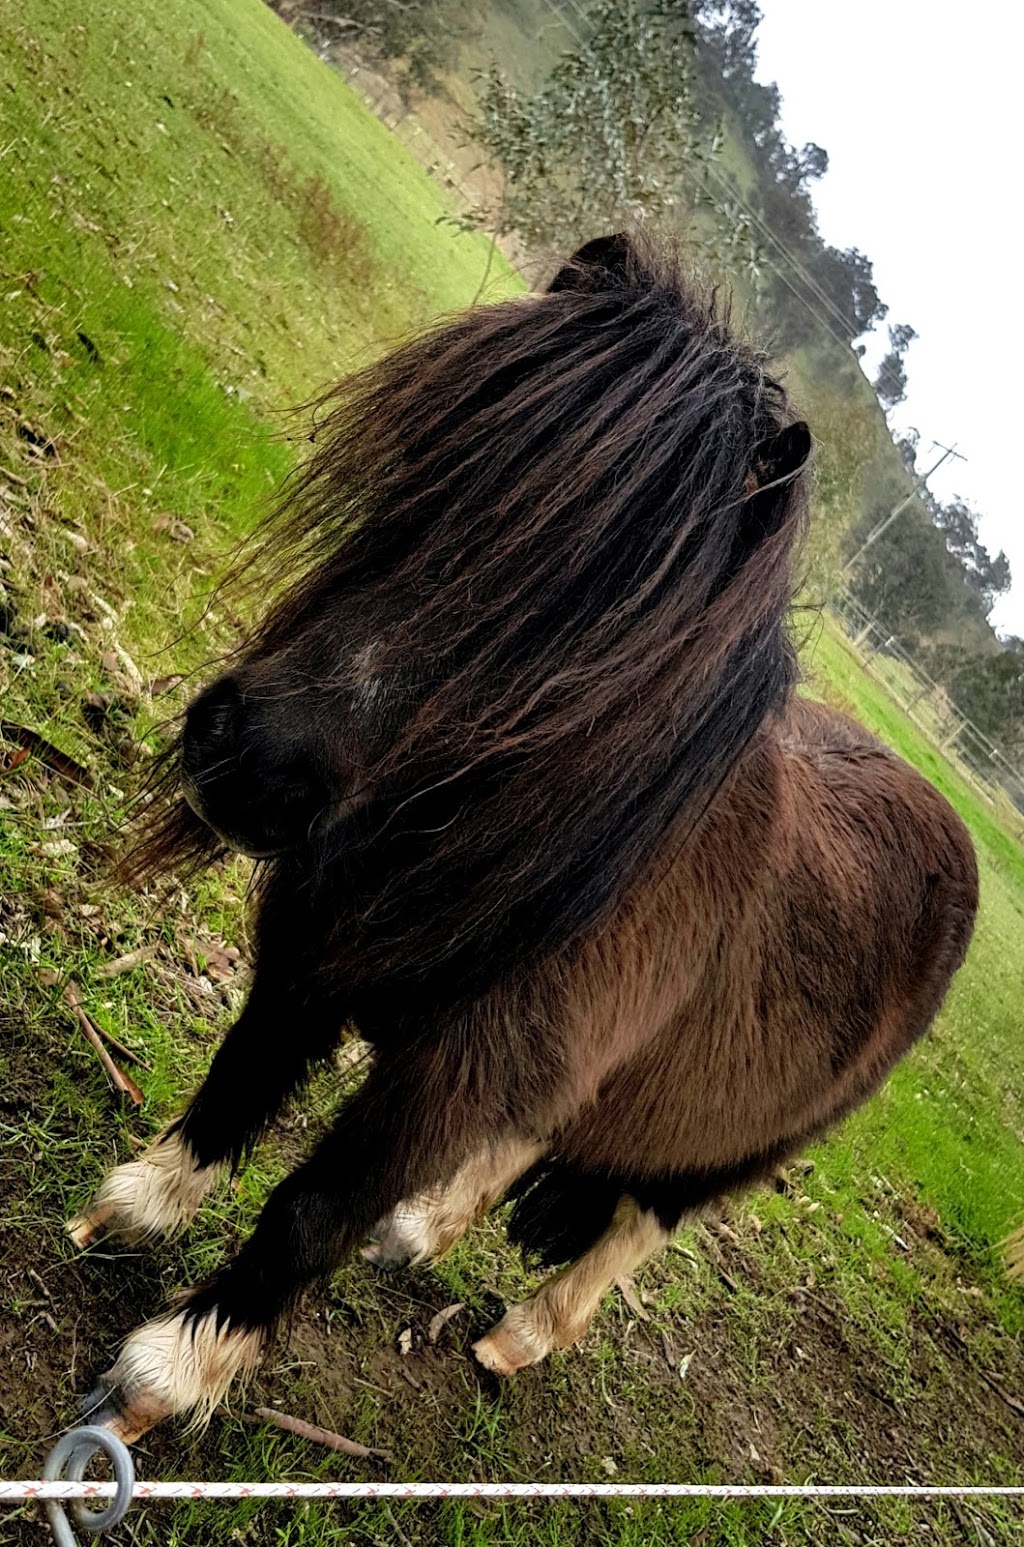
[200, 226]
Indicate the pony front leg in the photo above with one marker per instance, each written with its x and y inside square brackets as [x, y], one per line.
[257, 1067]
[403, 1132]
[147, 1199]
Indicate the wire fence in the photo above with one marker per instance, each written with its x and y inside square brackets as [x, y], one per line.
[931, 708]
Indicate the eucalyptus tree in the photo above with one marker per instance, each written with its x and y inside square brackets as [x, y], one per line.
[615, 131]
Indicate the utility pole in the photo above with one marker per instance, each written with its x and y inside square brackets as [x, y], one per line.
[887, 521]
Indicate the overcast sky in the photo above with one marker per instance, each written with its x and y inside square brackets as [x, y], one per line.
[918, 107]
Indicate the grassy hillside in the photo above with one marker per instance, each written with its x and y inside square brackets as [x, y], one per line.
[199, 226]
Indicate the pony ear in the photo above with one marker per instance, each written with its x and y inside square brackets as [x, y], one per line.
[597, 265]
[778, 459]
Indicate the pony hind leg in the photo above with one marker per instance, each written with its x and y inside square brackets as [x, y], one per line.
[624, 1219]
[562, 1309]
[423, 1228]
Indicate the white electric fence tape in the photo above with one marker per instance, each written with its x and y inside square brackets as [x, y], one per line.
[17, 1492]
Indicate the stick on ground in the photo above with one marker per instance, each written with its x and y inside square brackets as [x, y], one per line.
[318, 1436]
[117, 1077]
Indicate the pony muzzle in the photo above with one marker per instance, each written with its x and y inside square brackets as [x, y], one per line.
[235, 779]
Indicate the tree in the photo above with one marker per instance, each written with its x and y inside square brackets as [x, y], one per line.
[959, 526]
[986, 575]
[987, 686]
[901, 336]
[609, 136]
[891, 381]
[424, 36]
[811, 163]
[907, 446]
[903, 579]
[726, 30]
[848, 281]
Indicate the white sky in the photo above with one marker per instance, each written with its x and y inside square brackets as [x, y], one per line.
[918, 106]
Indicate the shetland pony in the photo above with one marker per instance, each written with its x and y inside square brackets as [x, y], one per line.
[536, 810]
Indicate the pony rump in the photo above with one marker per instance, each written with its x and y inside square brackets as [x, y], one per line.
[574, 518]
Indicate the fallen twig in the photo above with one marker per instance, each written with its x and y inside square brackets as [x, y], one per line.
[40, 1283]
[125, 963]
[395, 1526]
[716, 1261]
[117, 1077]
[131, 671]
[371, 1387]
[438, 1322]
[970, 1522]
[108, 1036]
[126, 1052]
[313, 1432]
[1011, 1402]
[628, 1292]
[51, 757]
[16, 761]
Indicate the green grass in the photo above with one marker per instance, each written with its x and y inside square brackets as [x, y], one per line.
[200, 229]
[166, 293]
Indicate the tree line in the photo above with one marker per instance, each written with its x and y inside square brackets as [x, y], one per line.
[931, 584]
[631, 123]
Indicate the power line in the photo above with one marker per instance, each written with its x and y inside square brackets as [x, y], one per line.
[793, 262]
[884, 525]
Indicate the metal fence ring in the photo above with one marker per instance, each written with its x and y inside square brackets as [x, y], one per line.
[67, 1462]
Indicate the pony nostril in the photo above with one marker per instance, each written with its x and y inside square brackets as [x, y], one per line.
[211, 724]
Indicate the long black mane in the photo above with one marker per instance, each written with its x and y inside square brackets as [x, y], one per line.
[575, 517]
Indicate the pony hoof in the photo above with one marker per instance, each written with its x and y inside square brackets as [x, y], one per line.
[178, 1364]
[384, 1257]
[85, 1229]
[507, 1349]
[401, 1242]
[149, 1199]
[106, 1408]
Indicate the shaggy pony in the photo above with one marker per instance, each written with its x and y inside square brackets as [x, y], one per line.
[624, 923]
